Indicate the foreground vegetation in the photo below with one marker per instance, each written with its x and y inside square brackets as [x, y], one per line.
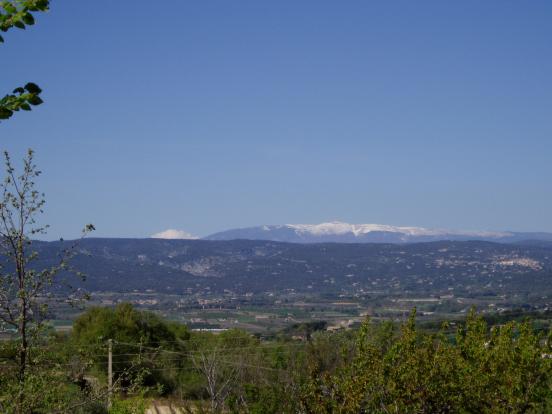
[381, 367]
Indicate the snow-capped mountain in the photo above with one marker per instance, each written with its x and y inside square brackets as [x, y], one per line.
[363, 233]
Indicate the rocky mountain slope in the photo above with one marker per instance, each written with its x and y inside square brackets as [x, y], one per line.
[241, 266]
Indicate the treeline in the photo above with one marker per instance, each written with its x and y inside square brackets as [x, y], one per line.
[383, 367]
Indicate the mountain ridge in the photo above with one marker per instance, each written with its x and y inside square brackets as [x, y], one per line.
[340, 232]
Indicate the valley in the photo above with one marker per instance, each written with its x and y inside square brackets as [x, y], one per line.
[265, 286]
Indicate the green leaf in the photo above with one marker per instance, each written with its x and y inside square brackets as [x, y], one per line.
[33, 88]
[19, 24]
[28, 19]
[37, 5]
[42, 4]
[10, 8]
[35, 100]
[5, 113]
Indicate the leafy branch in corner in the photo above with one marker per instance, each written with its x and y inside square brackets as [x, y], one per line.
[19, 14]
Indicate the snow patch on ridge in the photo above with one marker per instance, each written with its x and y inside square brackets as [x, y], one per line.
[340, 228]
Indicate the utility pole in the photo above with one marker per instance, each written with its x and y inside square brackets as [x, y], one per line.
[109, 372]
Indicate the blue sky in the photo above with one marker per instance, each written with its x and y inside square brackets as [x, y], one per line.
[210, 115]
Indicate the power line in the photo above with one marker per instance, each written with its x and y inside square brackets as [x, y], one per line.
[222, 348]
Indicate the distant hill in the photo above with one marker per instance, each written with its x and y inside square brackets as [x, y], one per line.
[338, 232]
[240, 266]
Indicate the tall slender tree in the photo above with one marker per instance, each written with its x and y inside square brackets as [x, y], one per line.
[25, 290]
